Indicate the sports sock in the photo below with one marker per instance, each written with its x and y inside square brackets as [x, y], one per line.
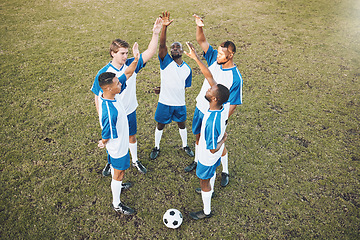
[116, 191]
[158, 134]
[183, 135]
[111, 170]
[206, 197]
[224, 163]
[133, 151]
[212, 182]
[196, 153]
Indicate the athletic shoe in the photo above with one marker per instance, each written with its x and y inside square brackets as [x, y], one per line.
[126, 185]
[198, 190]
[224, 179]
[154, 153]
[140, 167]
[107, 170]
[121, 208]
[191, 167]
[200, 215]
[188, 151]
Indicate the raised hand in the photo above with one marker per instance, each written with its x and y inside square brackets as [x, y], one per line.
[165, 18]
[136, 51]
[157, 25]
[199, 21]
[192, 52]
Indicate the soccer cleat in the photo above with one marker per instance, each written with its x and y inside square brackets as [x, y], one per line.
[191, 167]
[198, 190]
[188, 151]
[107, 170]
[154, 153]
[140, 167]
[125, 186]
[121, 208]
[224, 179]
[200, 215]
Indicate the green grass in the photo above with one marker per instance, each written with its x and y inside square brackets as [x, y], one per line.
[294, 145]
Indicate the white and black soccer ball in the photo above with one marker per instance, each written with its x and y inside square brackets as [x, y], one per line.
[172, 218]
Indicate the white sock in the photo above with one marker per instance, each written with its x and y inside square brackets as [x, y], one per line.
[224, 163]
[212, 182]
[133, 151]
[116, 191]
[112, 171]
[196, 159]
[206, 197]
[183, 135]
[158, 134]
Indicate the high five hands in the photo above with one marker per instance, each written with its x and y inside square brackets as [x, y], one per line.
[199, 21]
[165, 18]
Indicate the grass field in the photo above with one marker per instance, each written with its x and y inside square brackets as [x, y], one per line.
[294, 144]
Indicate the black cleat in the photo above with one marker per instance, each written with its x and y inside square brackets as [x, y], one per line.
[191, 167]
[107, 170]
[154, 153]
[125, 186]
[200, 215]
[224, 179]
[121, 208]
[188, 151]
[140, 167]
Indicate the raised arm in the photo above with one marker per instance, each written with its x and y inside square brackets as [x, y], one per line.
[192, 54]
[152, 47]
[200, 36]
[131, 68]
[165, 19]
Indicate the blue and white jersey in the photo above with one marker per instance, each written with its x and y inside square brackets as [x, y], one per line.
[174, 79]
[128, 95]
[114, 126]
[212, 131]
[230, 78]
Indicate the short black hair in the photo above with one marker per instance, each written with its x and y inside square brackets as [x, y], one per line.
[223, 94]
[229, 45]
[106, 78]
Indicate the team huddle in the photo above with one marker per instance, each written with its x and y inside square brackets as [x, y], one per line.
[115, 100]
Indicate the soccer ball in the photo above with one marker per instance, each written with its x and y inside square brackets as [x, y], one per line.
[172, 218]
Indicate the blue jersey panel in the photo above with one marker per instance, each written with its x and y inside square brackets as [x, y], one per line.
[139, 66]
[164, 63]
[212, 130]
[189, 78]
[109, 119]
[235, 98]
[210, 55]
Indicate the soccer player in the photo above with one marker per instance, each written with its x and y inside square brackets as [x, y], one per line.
[225, 72]
[119, 53]
[175, 75]
[115, 129]
[212, 137]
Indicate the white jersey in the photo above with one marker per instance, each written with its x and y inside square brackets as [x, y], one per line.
[128, 95]
[230, 78]
[174, 79]
[212, 131]
[114, 126]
